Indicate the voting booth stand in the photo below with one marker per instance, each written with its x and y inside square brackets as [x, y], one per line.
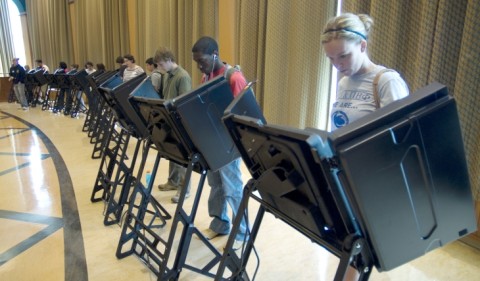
[79, 83]
[116, 173]
[96, 110]
[35, 79]
[189, 131]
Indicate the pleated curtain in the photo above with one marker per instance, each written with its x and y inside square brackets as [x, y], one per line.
[6, 39]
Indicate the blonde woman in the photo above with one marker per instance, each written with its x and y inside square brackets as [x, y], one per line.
[345, 41]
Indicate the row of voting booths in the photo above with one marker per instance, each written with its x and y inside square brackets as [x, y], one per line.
[377, 193]
[70, 83]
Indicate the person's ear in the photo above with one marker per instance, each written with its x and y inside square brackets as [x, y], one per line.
[363, 46]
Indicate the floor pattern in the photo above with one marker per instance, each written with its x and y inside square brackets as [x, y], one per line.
[75, 264]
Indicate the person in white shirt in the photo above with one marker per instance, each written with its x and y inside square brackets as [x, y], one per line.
[132, 69]
[345, 41]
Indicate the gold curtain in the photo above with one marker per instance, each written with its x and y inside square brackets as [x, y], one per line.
[466, 90]
[6, 39]
[176, 24]
[280, 46]
[102, 32]
[433, 41]
[49, 27]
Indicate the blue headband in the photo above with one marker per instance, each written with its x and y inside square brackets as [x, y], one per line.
[347, 29]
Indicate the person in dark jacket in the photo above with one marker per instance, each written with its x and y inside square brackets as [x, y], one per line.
[17, 75]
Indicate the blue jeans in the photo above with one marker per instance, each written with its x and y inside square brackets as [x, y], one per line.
[80, 102]
[226, 188]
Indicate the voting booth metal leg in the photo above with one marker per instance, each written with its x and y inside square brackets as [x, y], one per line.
[187, 220]
[36, 95]
[103, 132]
[230, 259]
[124, 179]
[95, 117]
[91, 112]
[355, 249]
[113, 160]
[47, 102]
[138, 235]
[89, 118]
[75, 104]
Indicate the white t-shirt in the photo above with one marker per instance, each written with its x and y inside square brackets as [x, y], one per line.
[355, 95]
[131, 73]
[90, 71]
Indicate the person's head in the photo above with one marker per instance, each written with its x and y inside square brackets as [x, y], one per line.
[129, 60]
[205, 54]
[344, 40]
[62, 65]
[39, 62]
[165, 59]
[27, 67]
[74, 66]
[89, 65]
[151, 65]
[119, 60]
[100, 66]
[15, 61]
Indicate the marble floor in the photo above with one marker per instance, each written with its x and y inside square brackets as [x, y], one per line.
[50, 229]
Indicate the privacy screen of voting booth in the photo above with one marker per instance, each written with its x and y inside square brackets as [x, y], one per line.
[118, 95]
[398, 177]
[404, 166]
[192, 123]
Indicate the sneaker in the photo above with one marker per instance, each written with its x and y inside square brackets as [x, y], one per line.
[176, 197]
[167, 186]
[25, 108]
[210, 234]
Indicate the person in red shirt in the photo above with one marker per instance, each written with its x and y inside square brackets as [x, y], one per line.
[226, 183]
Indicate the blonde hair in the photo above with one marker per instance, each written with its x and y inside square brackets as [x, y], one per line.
[347, 26]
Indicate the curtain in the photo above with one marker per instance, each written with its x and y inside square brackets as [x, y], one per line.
[49, 27]
[6, 39]
[102, 32]
[279, 44]
[466, 90]
[433, 41]
[177, 25]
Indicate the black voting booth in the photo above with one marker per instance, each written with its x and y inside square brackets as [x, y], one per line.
[114, 171]
[93, 100]
[34, 80]
[105, 120]
[98, 118]
[179, 129]
[379, 192]
[52, 86]
[78, 82]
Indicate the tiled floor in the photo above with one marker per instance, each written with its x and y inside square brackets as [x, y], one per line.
[50, 230]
